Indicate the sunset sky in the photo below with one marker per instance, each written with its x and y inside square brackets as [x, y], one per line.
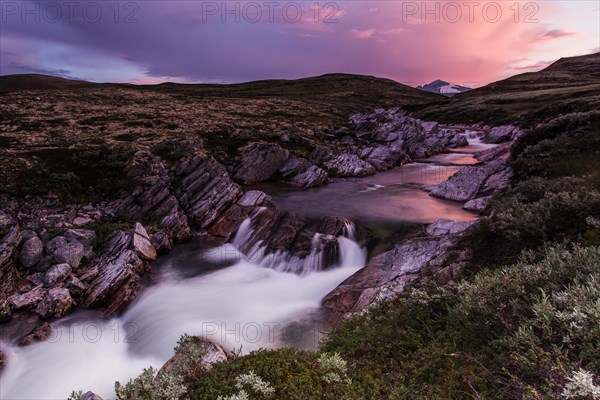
[471, 43]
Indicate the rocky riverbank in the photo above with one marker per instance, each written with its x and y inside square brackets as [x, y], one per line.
[55, 257]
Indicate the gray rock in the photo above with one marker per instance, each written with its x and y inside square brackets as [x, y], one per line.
[26, 300]
[84, 236]
[301, 172]
[479, 204]
[469, 181]
[75, 286]
[55, 303]
[90, 396]
[448, 227]
[56, 274]
[162, 242]
[210, 354]
[70, 253]
[141, 243]
[55, 243]
[387, 275]
[348, 165]
[258, 162]
[500, 134]
[31, 252]
[383, 158]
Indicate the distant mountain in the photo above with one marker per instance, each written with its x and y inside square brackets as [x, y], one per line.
[443, 87]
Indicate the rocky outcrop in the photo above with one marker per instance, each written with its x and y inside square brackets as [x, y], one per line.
[257, 162]
[390, 273]
[39, 334]
[28, 299]
[115, 280]
[229, 222]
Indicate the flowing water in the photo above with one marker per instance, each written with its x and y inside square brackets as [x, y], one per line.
[239, 302]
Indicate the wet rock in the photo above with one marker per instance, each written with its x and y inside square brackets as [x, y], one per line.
[84, 236]
[229, 222]
[204, 189]
[383, 158]
[117, 280]
[162, 242]
[210, 353]
[387, 275]
[70, 253]
[301, 172]
[448, 227]
[258, 162]
[39, 334]
[141, 243]
[470, 182]
[56, 274]
[28, 299]
[76, 287]
[2, 361]
[55, 303]
[348, 165]
[31, 252]
[55, 243]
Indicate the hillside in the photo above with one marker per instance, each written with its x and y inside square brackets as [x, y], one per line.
[569, 84]
[80, 132]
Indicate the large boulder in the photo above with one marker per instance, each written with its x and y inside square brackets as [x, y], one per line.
[384, 157]
[448, 227]
[55, 243]
[70, 253]
[229, 222]
[55, 303]
[209, 353]
[348, 165]
[31, 252]
[500, 134]
[301, 172]
[258, 162]
[141, 243]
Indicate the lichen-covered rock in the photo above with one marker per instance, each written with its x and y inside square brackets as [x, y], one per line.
[56, 274]
[70, 253]
[448, 227]
[141, 243]
[258, 162]
[31, 252]
[209, 353]
[55, 303]
[55, 243]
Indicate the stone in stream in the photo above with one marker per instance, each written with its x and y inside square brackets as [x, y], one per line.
[38, 334]
[500, 134]
[31, 252]
[301, 172]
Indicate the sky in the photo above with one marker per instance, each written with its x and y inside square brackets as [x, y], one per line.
[471, 43]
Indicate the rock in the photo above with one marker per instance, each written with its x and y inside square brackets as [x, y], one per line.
[79, 221]
[117, 281]
[90, 396]
[55, 243]
[38, 334]
[469, 182]
[162, 242]
[141, 243]
[2, 361]
[229, 222]
[448, 227]
[478, 204]
[56, 274]
[84, 236]
[75, 286]
[500, 134]
[383, 158]
[210, 353]
[31, 252]
[26, 300]
[204, 189]
[387, 274]
[27, 234]
[258, 162]
[55, 303]
[8, 249]
[348, 165]
[301, 172]
[70, 253]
